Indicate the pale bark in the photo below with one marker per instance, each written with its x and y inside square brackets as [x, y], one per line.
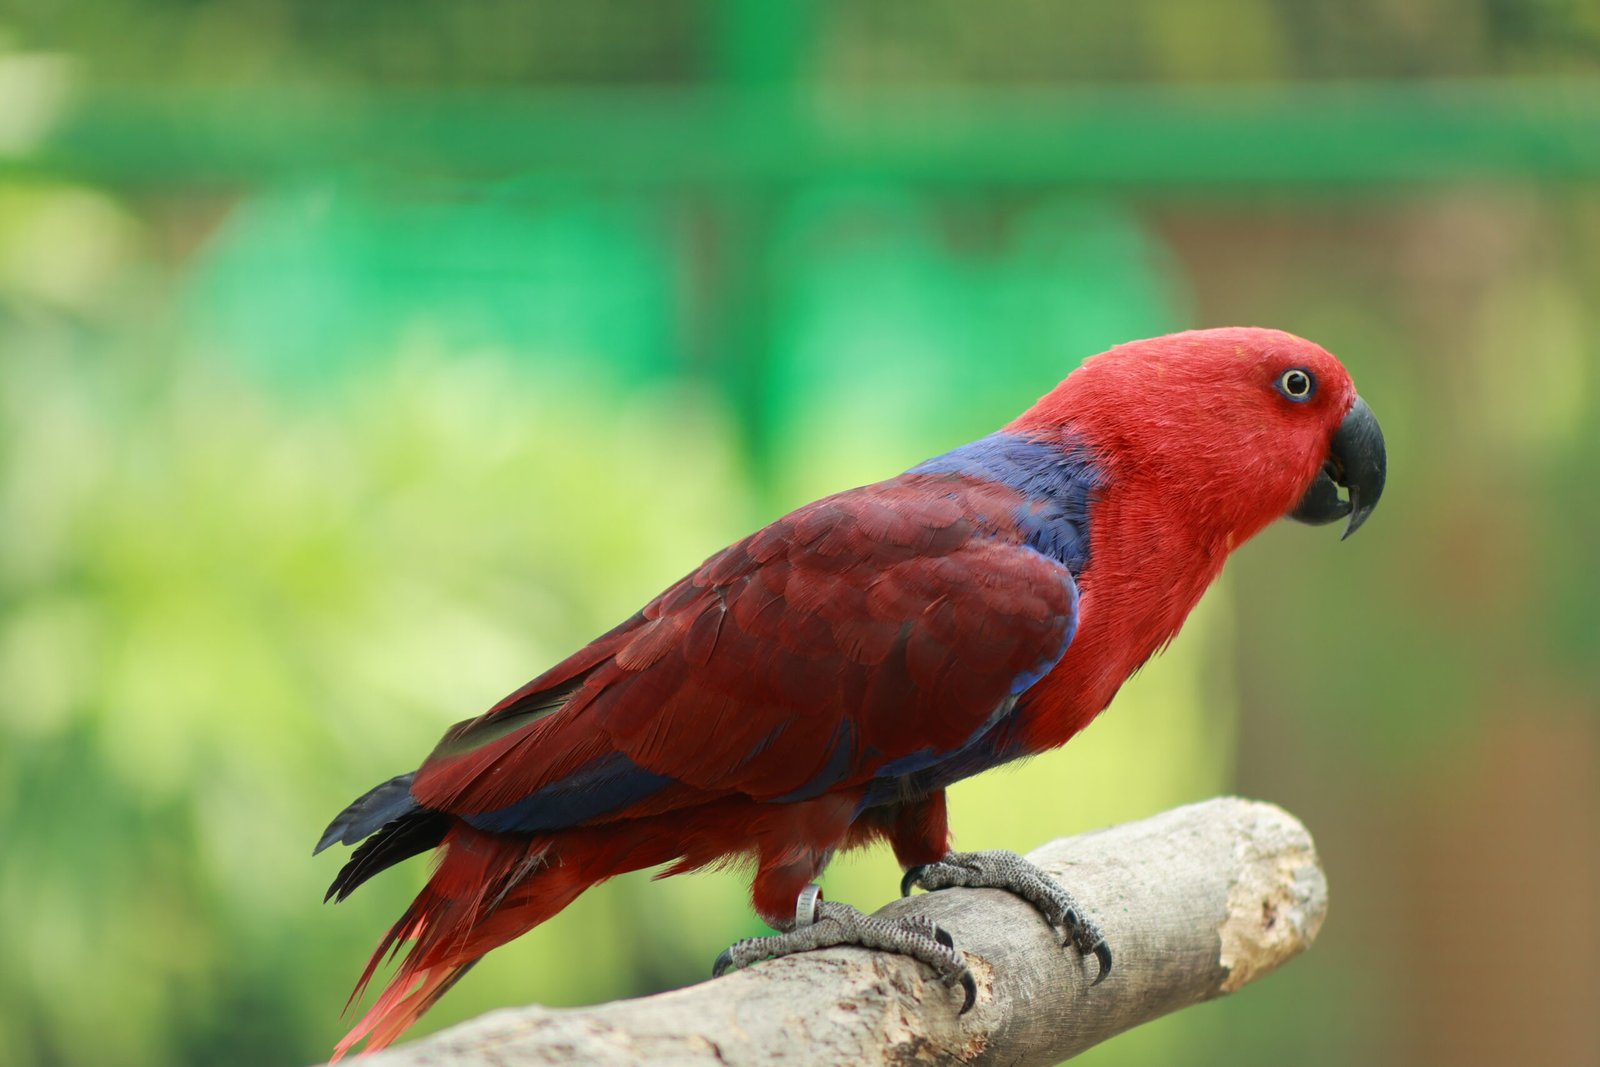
[1195, 902]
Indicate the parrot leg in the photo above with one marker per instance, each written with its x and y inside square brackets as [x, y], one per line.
[831, 924]
[1009, 871]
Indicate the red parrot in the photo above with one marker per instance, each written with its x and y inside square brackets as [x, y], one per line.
[817, 685]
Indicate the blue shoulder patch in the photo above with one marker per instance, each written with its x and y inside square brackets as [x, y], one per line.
[1059, 486]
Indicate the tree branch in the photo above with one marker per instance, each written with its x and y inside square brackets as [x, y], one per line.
[1195, 902]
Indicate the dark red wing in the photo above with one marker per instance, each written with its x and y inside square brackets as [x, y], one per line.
[865, 630]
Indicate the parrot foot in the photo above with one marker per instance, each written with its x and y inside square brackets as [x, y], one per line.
[833, 924]
[1009, 871]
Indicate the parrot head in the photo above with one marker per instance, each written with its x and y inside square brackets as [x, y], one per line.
[1239, 426]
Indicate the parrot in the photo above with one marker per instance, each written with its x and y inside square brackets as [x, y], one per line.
[818, 685]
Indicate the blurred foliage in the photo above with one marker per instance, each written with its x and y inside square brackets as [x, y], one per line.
[297, 473]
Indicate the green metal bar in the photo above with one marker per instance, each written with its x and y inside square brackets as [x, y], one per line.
[762, 49]
[1216, 137]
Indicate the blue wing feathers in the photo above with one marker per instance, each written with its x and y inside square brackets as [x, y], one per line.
[370, 812]
[597, 789]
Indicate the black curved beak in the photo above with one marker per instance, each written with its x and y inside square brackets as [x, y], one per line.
[1357, 462]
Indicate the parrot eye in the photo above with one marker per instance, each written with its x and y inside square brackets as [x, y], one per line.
[1297, 384]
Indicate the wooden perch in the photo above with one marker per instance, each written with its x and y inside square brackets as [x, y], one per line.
[1195, 902]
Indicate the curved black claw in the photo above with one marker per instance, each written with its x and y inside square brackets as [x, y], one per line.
[1009, 871]
[1085, 937]
[723, 964]
[1102, 952]
[970, 985]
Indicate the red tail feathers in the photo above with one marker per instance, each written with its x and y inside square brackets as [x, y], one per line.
[489, 889]
[486, 890]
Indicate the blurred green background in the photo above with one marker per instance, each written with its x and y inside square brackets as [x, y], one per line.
[362, 359]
